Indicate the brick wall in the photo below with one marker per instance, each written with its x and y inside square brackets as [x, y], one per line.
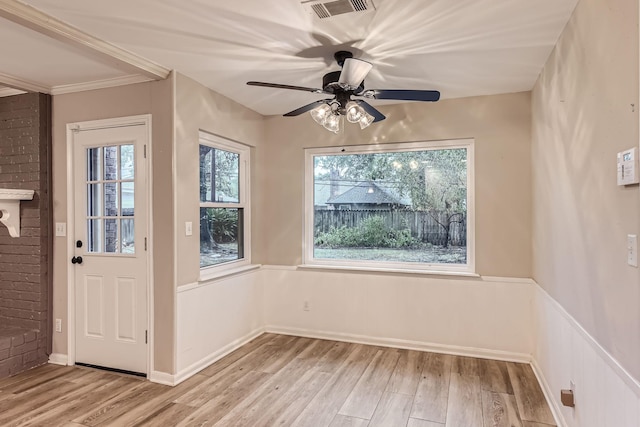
[25, 262]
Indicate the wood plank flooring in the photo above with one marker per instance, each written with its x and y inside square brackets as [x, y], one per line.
[278, 380]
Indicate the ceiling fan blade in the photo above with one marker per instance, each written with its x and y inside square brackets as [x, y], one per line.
[353, 72]
[402, 95]
[378, 116]
[306, 108]
[279, 86]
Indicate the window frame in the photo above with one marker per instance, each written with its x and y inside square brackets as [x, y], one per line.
[244, 202]
[309, 261]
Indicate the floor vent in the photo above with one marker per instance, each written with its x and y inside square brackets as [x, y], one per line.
[327, 9]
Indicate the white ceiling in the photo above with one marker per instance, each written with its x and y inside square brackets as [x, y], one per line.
[461, 48]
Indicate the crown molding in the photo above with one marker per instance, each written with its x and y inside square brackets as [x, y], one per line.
[9, 91]
[47, 25]
[21, 84]
[17, 86]
[98, 84]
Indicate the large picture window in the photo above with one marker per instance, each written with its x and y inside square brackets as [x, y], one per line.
[224, 202]
[394, 206]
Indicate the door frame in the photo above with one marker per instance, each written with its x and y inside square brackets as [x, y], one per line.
[71, 129]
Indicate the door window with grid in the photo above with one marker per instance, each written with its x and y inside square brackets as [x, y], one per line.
[110, 199]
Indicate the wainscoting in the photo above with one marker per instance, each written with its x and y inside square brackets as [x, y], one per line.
[487, 318]
[214, 318]
[605, 394]
[495, 318]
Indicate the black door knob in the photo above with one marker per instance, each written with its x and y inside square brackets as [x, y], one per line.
[76, 260]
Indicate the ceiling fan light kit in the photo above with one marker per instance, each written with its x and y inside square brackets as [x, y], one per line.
[343, 85]
[328, 115]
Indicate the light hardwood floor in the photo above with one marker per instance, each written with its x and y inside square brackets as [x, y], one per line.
[278, 380]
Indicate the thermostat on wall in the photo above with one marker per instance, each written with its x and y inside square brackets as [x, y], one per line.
[628, 167]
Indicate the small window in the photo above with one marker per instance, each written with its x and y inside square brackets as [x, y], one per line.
[395, 206]
[224, 203]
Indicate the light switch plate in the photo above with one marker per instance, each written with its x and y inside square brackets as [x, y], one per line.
[188, 228]
[61, 229]
[632, 250]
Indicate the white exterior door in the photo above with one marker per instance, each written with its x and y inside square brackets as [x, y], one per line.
[110, 259]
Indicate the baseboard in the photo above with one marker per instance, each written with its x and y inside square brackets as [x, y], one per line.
[188, 372]
[548, 394]
[58, 359]
[162, 378]
[481, 353]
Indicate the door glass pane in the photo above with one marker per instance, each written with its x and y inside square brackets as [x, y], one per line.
[219, 175]
[220, 235]
[93, 164]
[110, 199]
[127, 231]
[111, 235]
[126, 162]
[128, 199]
[94, 235]
[110, 163]
[93, 199]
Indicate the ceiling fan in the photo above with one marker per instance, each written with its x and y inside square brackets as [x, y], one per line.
[344, 85]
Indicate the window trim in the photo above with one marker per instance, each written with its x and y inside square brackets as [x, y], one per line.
[308, 210]
[244, 181]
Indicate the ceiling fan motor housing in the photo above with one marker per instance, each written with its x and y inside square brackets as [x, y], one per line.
[330, 84]
[341, 55]
[330, 81]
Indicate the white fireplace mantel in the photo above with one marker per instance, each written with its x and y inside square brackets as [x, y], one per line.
[10, 208]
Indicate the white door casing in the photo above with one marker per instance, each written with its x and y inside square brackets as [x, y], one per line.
[110, 219]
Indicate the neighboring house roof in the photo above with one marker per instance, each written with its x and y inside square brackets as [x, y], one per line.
[367, 192]
[322, 190]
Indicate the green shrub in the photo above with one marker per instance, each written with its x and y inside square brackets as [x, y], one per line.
[372, 232]
[222, 223]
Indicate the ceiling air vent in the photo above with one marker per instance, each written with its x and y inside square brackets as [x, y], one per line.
[327, 9]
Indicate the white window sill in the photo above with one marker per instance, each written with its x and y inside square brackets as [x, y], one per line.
[207, 277]
[213, 274]
[387, 270]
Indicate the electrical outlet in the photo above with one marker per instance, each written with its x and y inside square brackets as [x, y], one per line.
[305, 306]
[58, 325]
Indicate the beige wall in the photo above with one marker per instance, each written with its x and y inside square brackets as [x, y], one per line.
[199, 108]
[154, 98]
[501, 128]
[582, 116]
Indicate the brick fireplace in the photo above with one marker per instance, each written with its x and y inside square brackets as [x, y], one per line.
[25, 261]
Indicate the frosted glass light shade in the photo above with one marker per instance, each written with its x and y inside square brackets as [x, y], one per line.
[366, 120]
[332, 123]
[353, 72]
[354, 112]
[320, 113]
